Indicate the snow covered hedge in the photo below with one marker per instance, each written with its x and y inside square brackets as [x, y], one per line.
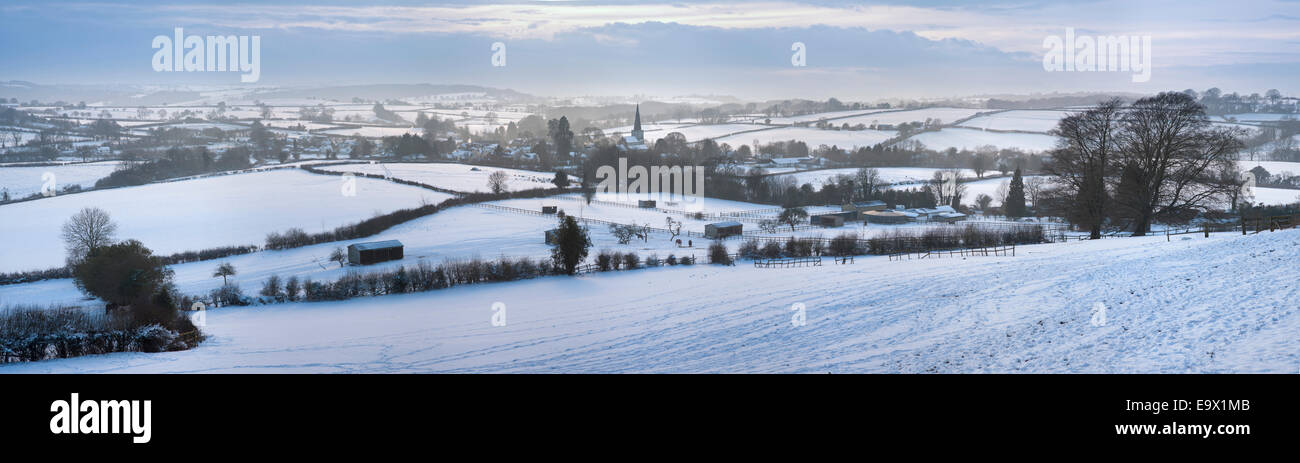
[33, 333]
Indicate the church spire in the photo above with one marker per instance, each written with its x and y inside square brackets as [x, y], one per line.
[636, 125]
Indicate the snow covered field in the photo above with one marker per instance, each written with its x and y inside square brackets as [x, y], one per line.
[1276, 196]
[700, 132]
[970, 139]
[375, 132]
[23, 181]
[1273, 167]
[455, 177]
[197, 214]
[892, 175]
[944, 115]
[1026, 120]
[1185, 306]
[846, 139]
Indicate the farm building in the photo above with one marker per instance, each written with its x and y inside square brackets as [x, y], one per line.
[889, 217]
[646, 203]
[949, 217]
[374, 252]
[864, 206]
[939, 214]
[549, 209]
[828, 220]
[722, 229]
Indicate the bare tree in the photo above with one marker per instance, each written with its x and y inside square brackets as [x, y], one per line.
[868, 181]
[1173, 161]
[87, 230]
[1087, 142]
[497, 181]
[338, 255]
[224, 270]
[674, 228]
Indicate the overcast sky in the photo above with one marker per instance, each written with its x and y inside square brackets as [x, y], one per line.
[854, 50]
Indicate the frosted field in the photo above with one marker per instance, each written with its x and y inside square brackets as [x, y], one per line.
[945, 115]
[197, 214]
[1276, 196]
[1170, 307]
[7, 137]
[846, 139]
[1256, 117]
[23, 181]
[309, 125]
[459, 233]
[375, 132]
[833, 116]
[1273, 167]
[989, 186]
[908, 176]
[455, 177]
[700, 132]
[1026, 120]
[971, 139]
[657, 130]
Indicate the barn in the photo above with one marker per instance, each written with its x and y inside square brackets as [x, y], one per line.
[721, 230]
[889, 217]
[374, 252]
[646, 203]
[828, 220]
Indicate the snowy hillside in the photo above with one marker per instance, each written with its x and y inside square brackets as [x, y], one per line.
[190, 215]
[1183, 306]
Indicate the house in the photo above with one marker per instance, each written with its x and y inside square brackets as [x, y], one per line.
[889, 217]
[374, 252]
[722, 230]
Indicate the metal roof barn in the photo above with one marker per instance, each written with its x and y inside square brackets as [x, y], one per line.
[374, 252]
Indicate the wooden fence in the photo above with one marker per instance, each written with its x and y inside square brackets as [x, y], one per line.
[788, 262]
[985, 251]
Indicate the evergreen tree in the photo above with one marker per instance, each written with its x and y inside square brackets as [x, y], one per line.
[571, 245]
[1015, 202]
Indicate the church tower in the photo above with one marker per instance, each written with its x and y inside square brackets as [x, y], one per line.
[636, 125]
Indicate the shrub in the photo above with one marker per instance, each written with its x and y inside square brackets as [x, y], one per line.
[604, 260]
[718, 254]
[750, 249]
[771, 250]
[652, 260]
[631, 261]
[272, 288]
[229, 294]
[846, 244]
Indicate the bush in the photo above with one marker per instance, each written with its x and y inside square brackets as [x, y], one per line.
[846, 244]
[771, 250]
[631, 261]
[652, 260]
[229, 294]
[121, 274]
[604, 260]
[750, 249]
[718, 254]
[273, 289]
[672, 260]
